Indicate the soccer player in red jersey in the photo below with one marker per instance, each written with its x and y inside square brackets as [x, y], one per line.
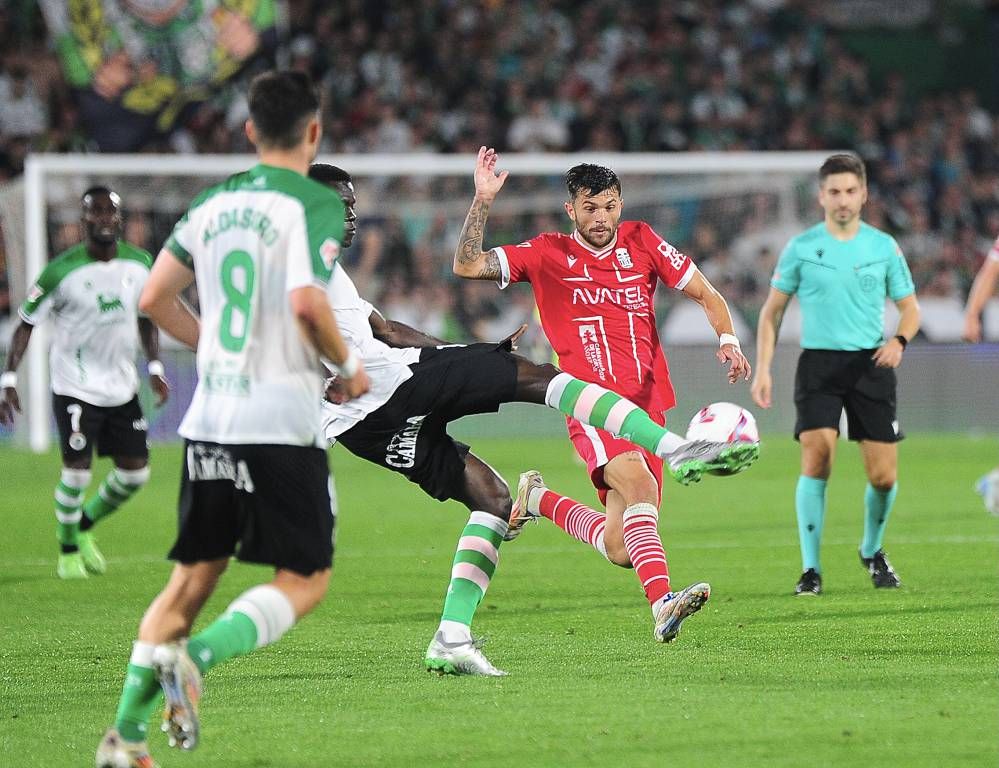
[594, 290]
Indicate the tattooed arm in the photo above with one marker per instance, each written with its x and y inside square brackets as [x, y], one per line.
[469, 259]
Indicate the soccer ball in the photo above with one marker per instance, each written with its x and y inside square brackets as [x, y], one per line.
[723, 423]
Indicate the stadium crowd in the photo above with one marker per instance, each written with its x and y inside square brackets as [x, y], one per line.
[437, 76]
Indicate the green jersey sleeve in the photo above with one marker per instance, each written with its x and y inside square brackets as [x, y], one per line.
[900, 282]
[787, 273]
[37, 304]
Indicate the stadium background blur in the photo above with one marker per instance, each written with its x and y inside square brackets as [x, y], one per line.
[913, 88]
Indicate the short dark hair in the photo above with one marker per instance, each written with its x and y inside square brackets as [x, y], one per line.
[281, 104]
[329, 174]
[99, 189]
[593, 178]
[844, 162]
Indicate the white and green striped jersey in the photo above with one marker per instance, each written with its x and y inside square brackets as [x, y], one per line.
[250, 241]
[93, 305]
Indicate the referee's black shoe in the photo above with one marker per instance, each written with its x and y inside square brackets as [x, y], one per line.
[882, 574]
[810, 583]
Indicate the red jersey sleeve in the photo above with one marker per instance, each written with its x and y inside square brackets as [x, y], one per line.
[519, 263]
[674, 268]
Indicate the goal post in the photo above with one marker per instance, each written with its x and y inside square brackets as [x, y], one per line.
[52, 184]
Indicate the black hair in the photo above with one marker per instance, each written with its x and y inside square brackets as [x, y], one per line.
[99, 189]
[593, 178]
[845, 162]
[281, 104]
[329, 174]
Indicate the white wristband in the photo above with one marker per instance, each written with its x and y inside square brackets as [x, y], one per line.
[729, 338]
[8, 379]
[155, 368]
[349, 367]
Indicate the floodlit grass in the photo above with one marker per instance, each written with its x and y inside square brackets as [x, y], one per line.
[856, 677]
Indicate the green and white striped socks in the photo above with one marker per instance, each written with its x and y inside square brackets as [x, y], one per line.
[68, 497]
[473, 567]
[601, 408]
[117, 488]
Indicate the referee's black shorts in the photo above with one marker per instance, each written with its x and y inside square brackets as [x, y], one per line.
[829, 381]
[408, 434]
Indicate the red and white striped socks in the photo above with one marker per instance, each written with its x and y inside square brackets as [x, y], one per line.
[645, 549]
[578, 520]
[641, 535]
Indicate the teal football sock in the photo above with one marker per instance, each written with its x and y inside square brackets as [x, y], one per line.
[877, 507]
[810, 505]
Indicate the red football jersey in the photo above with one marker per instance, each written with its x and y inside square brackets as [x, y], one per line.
[597, 306]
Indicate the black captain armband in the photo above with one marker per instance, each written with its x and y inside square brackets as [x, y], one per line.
[902, 340]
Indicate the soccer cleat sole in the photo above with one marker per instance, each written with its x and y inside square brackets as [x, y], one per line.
[689, 602]
[729, 462]
[440, 666]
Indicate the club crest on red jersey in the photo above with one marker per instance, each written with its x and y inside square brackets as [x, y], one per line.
[623, 258]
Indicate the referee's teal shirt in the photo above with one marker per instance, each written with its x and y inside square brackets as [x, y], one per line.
[842, 285]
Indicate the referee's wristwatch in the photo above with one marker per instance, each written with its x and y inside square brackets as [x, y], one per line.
[901, 340]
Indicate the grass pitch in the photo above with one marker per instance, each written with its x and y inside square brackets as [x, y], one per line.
[856, 677]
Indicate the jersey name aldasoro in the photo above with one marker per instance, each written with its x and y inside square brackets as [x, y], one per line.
[94, 307]
[597, 306]
[251, 241]
[387, 367]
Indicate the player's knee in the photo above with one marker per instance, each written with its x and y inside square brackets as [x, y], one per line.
[882, 481]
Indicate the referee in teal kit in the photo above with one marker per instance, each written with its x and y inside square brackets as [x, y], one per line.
[842, 270]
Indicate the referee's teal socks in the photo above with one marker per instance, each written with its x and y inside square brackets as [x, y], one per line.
[810, 504]
[877, 507]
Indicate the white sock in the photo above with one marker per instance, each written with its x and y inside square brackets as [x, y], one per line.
[669, 443]
[454, 631]
[534, 500]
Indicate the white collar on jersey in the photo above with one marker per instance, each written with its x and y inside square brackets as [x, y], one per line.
[597, 254]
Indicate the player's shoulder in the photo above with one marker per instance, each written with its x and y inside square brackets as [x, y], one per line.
[134, 254]
[811, 236]
[68, 261]
[878, 237]
[551, 240]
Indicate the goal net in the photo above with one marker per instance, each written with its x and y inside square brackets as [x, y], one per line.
[732, 212]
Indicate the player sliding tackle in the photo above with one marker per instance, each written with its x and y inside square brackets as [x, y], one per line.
[419, 385]
[594, 291]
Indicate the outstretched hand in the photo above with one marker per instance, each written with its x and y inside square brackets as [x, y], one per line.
[739, 368]
[487, 182]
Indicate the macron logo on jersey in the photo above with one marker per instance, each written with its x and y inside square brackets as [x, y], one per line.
[571, 259]
[329, 251]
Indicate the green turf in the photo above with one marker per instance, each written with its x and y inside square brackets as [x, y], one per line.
[857, 677]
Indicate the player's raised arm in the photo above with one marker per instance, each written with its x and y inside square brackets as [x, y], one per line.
[469, 259]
